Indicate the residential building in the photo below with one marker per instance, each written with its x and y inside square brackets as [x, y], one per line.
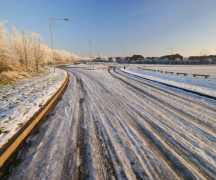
[172, 57]
[136, 57]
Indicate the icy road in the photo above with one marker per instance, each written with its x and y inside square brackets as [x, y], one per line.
[113, 125]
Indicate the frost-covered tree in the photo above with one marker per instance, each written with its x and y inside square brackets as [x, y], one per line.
[48, 57]
[114, 60]
[23, 45]
[6, 54]
[37, 50]
[25, 50]
[26, 47]
[101, 56]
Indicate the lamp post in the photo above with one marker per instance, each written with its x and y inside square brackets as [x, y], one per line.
[52, 38]
[200, 54]
[170, 55]
[124, 53]
[90, 52]
[201, 51]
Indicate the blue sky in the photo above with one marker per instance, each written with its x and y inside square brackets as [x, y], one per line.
[146, 27]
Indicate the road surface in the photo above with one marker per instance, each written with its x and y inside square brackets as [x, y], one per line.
[112, 125]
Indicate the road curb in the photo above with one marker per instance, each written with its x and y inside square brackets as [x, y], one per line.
[13, 146]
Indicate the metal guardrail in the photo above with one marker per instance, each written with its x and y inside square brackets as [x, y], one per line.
[206, 76]
[185, 74]
[167, 72]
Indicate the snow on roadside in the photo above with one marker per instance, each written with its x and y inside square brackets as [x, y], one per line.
[20, 100]
[205, 86]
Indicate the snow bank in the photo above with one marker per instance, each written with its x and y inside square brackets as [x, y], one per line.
[20, 100]
[205, 86]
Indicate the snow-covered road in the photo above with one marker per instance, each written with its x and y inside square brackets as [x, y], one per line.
[111, 125]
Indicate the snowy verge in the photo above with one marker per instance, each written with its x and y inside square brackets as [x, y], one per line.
[181, 82]
[19, 101]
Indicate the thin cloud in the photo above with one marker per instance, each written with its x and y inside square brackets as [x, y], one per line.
[153, 8]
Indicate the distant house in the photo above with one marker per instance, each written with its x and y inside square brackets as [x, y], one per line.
[136, 57]
[212, 57]
[194, 58]
[152, 58]
[149, 58]
[155, 58]
[118, 58]
[199, 58]
[171, 57]
[167, 57]
[127, 58]
[110, 59]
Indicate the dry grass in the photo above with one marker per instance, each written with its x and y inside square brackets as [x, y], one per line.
[17, 73]
[4, 67]
[23, 73]
[42, 70]
[12, 76]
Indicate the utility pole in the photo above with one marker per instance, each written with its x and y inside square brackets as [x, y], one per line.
[90, 53]
[52, 38]
[124, 55]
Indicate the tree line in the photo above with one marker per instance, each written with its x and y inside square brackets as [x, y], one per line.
[26, 51]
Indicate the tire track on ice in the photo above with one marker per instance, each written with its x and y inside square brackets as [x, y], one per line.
[75, 162]
[196, 122]
[199, 168]
[167, 91]
[188, 164]
[53, 153]
[102, 167]
[122, 157]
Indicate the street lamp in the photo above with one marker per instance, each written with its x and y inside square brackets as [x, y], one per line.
[90, 52]
[170, 55]
[200, 55]
[52, 38]
[124, 53]
[201, 51]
